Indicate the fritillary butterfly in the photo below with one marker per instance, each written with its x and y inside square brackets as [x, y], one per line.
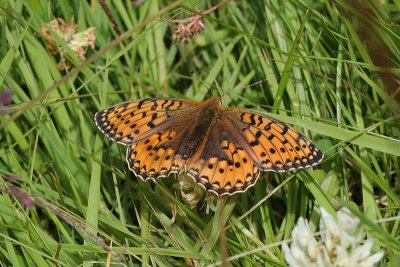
[222, 149]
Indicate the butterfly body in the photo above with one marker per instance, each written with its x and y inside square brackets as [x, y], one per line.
[198, 127]
[223, 149]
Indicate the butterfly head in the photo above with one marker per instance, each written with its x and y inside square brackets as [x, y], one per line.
[211, 102]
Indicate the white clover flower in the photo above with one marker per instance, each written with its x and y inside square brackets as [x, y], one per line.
[340, 244]
[192, 193]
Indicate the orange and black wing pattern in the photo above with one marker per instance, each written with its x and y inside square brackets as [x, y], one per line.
[221, 165]
[153, 157]
[131, 121]
[273, 145]
[222, 149]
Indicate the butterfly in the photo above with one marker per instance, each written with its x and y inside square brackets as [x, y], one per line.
[222, 149]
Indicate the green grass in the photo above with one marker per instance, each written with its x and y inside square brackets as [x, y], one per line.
[314, 68]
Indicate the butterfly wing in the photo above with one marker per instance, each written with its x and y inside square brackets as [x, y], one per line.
[132, 121]
[154, 157]
[273, 145]
[221, 164]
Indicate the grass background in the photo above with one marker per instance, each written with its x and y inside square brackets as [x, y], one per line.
[330, 68]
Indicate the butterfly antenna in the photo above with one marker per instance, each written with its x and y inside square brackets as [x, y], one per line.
[233, 91]
[250, 85]
[197, 77]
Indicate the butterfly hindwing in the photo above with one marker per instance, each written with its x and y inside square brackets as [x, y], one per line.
[153, 158]
[274, 145]
[221, 165]
[128, 122]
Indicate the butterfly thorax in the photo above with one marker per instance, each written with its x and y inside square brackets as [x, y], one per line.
[202, 120]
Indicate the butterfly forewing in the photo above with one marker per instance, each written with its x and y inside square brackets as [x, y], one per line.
[131, 121]
[274, 145]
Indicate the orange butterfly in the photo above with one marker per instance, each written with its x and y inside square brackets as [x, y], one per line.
[222, 149]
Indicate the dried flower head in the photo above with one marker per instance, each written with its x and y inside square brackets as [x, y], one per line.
[76, 41]
[189, 28]
[341, 243]
[193, 25]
